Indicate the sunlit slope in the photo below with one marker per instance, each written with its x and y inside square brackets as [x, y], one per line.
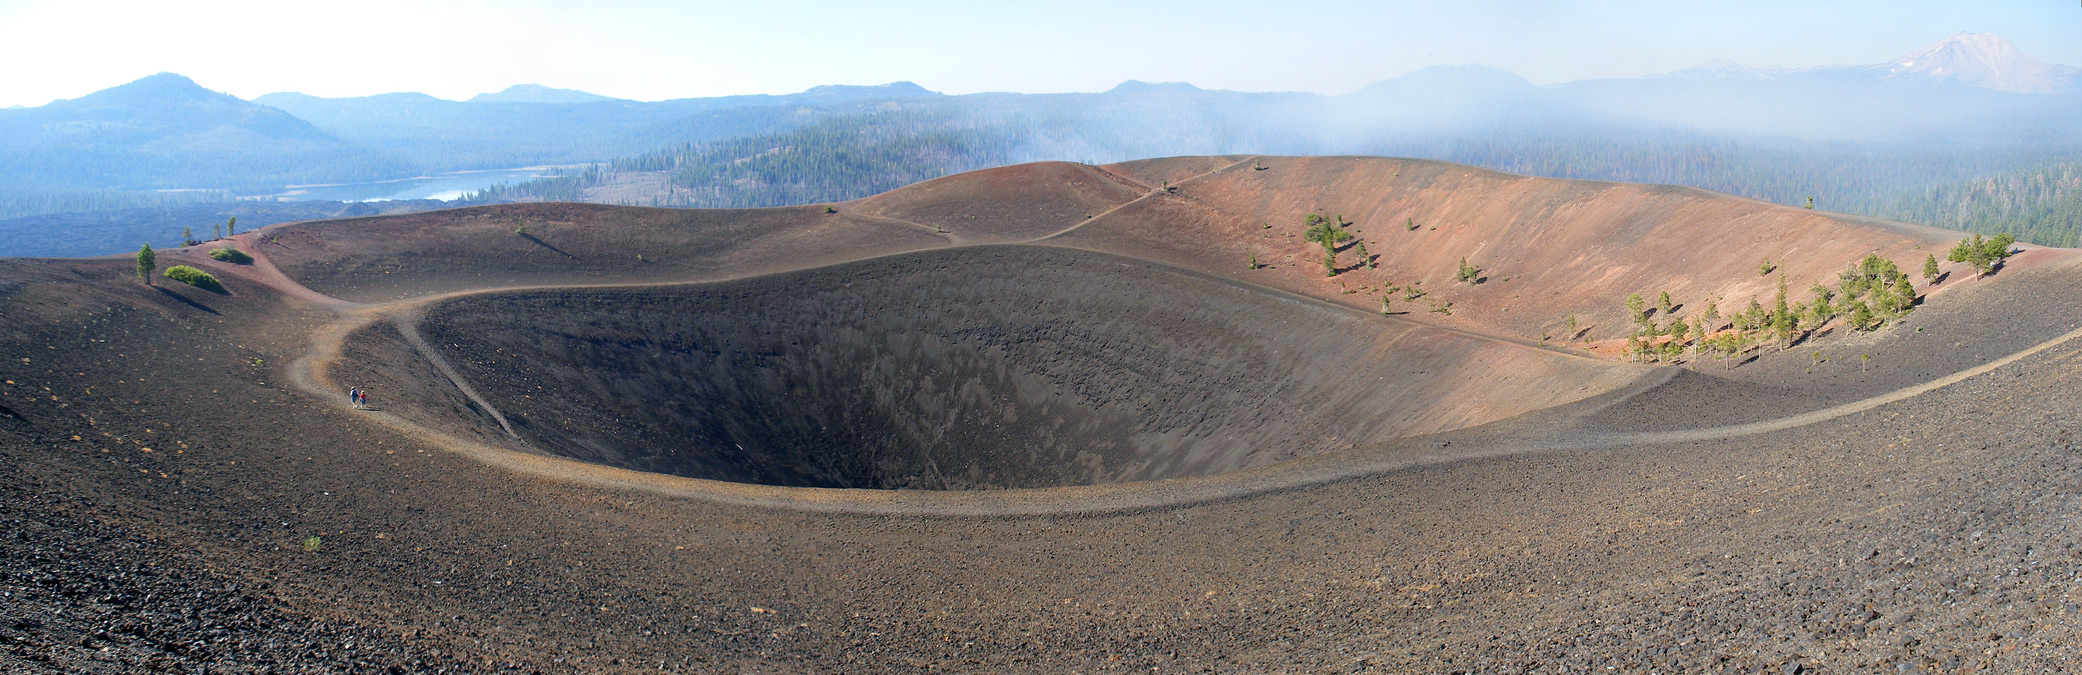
[1010, 203]
[1544, 247]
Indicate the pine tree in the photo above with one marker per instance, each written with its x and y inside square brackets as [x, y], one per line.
[188, 236]
[1322, 231]
[1821, 308]
[1778, 301]
[1930, 267]
[1468, 273]
[1662, 303]
[1861, 317]
[1635, 311]
[1368, 260]
[147, 263]
[1983, 254]
[231, 227]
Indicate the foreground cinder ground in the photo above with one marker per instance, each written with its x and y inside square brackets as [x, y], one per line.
[165, 478]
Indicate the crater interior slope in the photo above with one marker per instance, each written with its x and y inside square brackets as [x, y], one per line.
[1115, 447]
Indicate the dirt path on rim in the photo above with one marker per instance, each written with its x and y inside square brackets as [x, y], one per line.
[308, 373]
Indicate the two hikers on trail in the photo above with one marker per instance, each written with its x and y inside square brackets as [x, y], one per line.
[359, 398]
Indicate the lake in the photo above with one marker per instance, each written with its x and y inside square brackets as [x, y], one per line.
[446, 187]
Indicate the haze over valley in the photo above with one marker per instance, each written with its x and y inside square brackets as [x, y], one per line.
[1967, 133]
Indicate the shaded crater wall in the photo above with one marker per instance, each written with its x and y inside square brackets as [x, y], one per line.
[974, 368]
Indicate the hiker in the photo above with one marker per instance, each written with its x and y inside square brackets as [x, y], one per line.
[354, 396]
[361, 399]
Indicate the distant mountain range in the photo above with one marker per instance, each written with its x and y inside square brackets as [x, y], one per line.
[165, 131]
[1966, 106]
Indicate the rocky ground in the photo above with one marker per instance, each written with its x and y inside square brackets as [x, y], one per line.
[164, 482]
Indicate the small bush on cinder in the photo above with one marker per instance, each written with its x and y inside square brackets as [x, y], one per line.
[194, 277]
[231, 255]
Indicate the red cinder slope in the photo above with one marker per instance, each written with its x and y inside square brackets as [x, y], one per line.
[1545, 247]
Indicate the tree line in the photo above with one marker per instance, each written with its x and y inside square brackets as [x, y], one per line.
[1868, 295]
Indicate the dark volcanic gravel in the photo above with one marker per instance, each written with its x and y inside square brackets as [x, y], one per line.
[1936, 534]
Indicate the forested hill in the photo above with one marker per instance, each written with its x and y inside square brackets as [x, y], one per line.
[2042, 206]
[165, 131]
[1958, 185]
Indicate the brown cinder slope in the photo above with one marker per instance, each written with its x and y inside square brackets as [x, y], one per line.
[1546, 247]
[1013, 203]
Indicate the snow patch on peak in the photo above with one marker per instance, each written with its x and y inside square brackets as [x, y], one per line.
[1985, 60]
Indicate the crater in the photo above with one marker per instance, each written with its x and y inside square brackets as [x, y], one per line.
[974, 368]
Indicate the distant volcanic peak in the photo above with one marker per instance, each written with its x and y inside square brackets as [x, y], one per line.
[904, 88]
[1141, 87]
[535, 93]
[1985, 60]
[160, 89]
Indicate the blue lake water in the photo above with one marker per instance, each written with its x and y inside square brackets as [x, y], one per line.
[447, 186]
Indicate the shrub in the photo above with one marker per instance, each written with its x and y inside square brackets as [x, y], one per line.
[194, 277]
[231, 255]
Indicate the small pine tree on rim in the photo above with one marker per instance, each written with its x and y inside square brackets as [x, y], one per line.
[147, 263]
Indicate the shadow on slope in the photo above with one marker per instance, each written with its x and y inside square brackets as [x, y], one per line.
[998, 367]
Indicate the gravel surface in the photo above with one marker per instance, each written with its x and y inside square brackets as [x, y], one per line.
[1933, 534]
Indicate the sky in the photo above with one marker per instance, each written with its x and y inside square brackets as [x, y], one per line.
[652, 50]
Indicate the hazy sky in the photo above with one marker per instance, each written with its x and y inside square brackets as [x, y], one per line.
[657, 50]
